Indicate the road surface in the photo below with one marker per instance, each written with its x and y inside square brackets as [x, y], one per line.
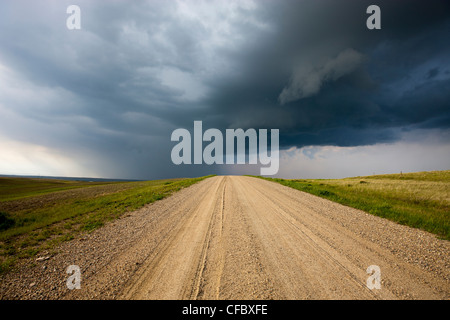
[235, 237]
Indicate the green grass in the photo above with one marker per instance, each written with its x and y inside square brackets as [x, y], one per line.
[18, 188]
[39, 214]
[420, 200]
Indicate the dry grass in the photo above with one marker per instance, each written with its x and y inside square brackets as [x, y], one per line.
[420, 200]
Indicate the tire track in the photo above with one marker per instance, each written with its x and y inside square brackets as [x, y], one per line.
[198, 287]
[171, 275]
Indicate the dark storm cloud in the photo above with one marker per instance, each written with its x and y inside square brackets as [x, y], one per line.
[137, 70]
[323, 78]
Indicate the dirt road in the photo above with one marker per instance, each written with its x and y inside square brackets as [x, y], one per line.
[239, 237]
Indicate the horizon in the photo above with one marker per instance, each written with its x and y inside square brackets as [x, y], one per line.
[133, 180]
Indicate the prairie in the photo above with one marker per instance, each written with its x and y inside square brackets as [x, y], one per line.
[420, 199]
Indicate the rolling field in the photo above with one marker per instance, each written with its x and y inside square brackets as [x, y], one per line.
[38, 214]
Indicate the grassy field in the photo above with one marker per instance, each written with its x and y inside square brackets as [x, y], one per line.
[419, 200]
[38, 214]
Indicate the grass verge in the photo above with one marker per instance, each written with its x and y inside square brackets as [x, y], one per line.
[36, 216]
[420, 200]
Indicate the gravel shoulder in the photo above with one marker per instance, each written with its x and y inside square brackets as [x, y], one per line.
[233, 237]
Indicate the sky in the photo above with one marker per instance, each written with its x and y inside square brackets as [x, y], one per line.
[103, 100]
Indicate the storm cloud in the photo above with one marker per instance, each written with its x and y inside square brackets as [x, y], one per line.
[106, 98]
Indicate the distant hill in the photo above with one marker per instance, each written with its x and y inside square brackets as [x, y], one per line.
[68, 178]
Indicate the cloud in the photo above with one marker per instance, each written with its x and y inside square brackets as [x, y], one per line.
[115, 90]
[307, 82]
[31, 159]
[423, 150]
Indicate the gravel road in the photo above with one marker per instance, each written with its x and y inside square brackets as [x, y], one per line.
[234, 237]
